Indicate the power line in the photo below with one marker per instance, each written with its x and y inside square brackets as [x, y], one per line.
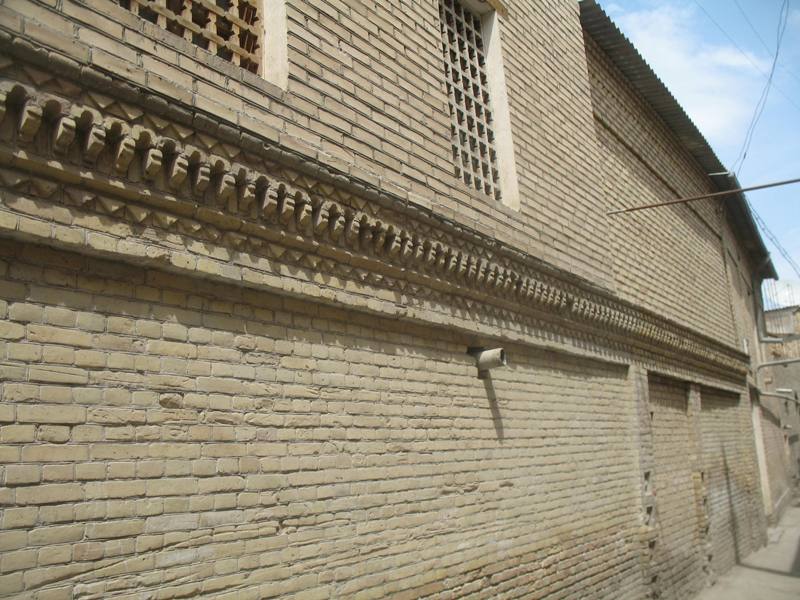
[720, 194]
[761, 39]
[772, 238]
[783, 19]
[745, 54]
[752, 27]
[782, 22]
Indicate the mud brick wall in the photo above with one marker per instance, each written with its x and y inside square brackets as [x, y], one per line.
[670, 259]
[676, 551]
[161, 434]
[736, 523]
[779, 427]
[200, 400]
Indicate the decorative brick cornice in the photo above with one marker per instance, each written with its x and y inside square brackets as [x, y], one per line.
[147, 169]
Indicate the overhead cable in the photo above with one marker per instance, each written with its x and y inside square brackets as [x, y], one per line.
[783, 18]
[773, 238]
[747, 56]
[720, 194]
[761, 39]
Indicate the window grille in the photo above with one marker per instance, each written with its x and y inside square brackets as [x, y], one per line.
[231, 29]
[473, 143]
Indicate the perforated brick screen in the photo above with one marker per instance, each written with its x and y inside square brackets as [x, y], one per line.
[467, 87]
[231, 29]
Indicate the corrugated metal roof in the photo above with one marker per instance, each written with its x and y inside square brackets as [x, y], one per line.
[644, 80]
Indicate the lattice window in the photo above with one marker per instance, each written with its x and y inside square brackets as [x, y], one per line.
[231, 29]
[473, 143]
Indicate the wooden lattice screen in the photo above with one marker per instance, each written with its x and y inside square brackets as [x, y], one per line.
[231, 29]
[472, 128]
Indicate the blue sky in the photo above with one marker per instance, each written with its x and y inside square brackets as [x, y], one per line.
[718, 79]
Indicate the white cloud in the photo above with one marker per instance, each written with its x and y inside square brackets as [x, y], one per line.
[716, 84]
[794, 18]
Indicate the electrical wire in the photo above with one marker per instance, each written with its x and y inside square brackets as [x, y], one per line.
[747, 56]
[783, 19]
[773, 238]
[718, 194]
[752, 27]
[761, 39]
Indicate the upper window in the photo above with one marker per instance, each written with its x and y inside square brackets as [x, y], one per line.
[482, 148]
[468, 92]
[231, 29]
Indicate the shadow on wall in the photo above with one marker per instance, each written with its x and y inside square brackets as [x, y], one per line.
[795, 572]
[491, 396]
[731, 508]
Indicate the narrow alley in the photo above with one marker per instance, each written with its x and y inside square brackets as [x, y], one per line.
[772, 573]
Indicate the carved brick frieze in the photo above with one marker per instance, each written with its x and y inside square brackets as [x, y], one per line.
[113, 158]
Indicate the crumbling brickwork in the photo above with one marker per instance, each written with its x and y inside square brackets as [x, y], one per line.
[779, 430]
[781, 413]
[727, 459]
[676, 550]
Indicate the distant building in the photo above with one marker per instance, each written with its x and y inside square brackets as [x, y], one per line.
[781, 402]
[250, 249]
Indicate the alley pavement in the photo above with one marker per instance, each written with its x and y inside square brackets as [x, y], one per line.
[772, 573]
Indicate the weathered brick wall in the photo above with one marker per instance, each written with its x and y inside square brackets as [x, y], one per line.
[272, 400]
[744, 293]
[376, 70]
[736, 522]
[159, 433]
[791, 418]
[668, 259]
[366, 97]
[781, 466]
[678, 563]
[785, 376]
[556, 150]
[781, 418]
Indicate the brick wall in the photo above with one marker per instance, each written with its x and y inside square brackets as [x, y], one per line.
[366, 97]
[376, 69]
[727, 445]
[781, 419]
[669, 259]
[779, 430]
[776, 447]
[198, 398]
[160, 434]
[676, 551]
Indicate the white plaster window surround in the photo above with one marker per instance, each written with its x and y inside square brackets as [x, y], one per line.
[250, 34]
[482, 145]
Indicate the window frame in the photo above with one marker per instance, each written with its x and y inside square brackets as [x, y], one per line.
[490, 13]
[272, 52]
